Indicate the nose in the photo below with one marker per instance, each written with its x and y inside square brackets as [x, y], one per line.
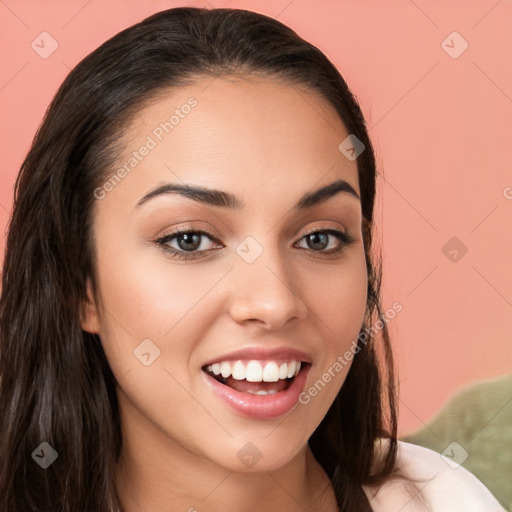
[263, 292]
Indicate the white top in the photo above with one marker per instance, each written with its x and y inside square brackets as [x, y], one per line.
[440, 486]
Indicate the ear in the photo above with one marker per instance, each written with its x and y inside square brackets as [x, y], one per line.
[90, 321]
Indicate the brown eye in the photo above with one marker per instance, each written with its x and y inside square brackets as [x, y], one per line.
[188, 243]
[318, 240]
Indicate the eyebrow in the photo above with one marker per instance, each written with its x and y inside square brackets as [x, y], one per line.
[227, 200]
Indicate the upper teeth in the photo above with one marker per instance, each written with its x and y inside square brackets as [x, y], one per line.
[253, 371]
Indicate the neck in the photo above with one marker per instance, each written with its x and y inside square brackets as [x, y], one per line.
[154, 474]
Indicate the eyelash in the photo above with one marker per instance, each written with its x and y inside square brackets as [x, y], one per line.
[344, 238]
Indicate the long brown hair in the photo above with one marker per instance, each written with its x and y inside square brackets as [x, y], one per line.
[56, 385]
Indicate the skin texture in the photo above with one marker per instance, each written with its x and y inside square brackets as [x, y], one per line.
[268, 143]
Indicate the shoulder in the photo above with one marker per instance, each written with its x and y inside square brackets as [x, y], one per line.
[426, 481]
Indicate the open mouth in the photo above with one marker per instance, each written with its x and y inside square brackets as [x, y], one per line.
[256, 377]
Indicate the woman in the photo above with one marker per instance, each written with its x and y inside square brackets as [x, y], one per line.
[190, 312]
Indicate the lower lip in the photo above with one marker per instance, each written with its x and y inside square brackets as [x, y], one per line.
[262, 407]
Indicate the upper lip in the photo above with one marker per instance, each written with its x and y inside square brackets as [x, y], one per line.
[262, 353]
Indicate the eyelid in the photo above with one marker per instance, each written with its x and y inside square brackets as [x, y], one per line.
[174, 232]
[326, 228]
[215, 236]
[343, 237]
[181, 254]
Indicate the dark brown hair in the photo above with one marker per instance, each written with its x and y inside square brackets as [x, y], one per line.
[56, 385]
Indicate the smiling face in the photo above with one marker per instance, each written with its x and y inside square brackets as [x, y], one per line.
[213, 335]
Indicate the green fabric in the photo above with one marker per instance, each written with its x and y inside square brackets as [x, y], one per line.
[479, 418]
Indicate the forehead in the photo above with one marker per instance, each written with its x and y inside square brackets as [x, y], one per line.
[244, 134]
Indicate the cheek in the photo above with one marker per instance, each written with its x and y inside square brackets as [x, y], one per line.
[149, 296]
[337, 299]
[146, 296]
[337, 296]
[176, 305]
[153, 299]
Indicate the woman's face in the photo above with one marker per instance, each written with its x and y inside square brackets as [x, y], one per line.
[271, 285]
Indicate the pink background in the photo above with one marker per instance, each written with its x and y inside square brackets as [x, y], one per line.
[443, 138]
